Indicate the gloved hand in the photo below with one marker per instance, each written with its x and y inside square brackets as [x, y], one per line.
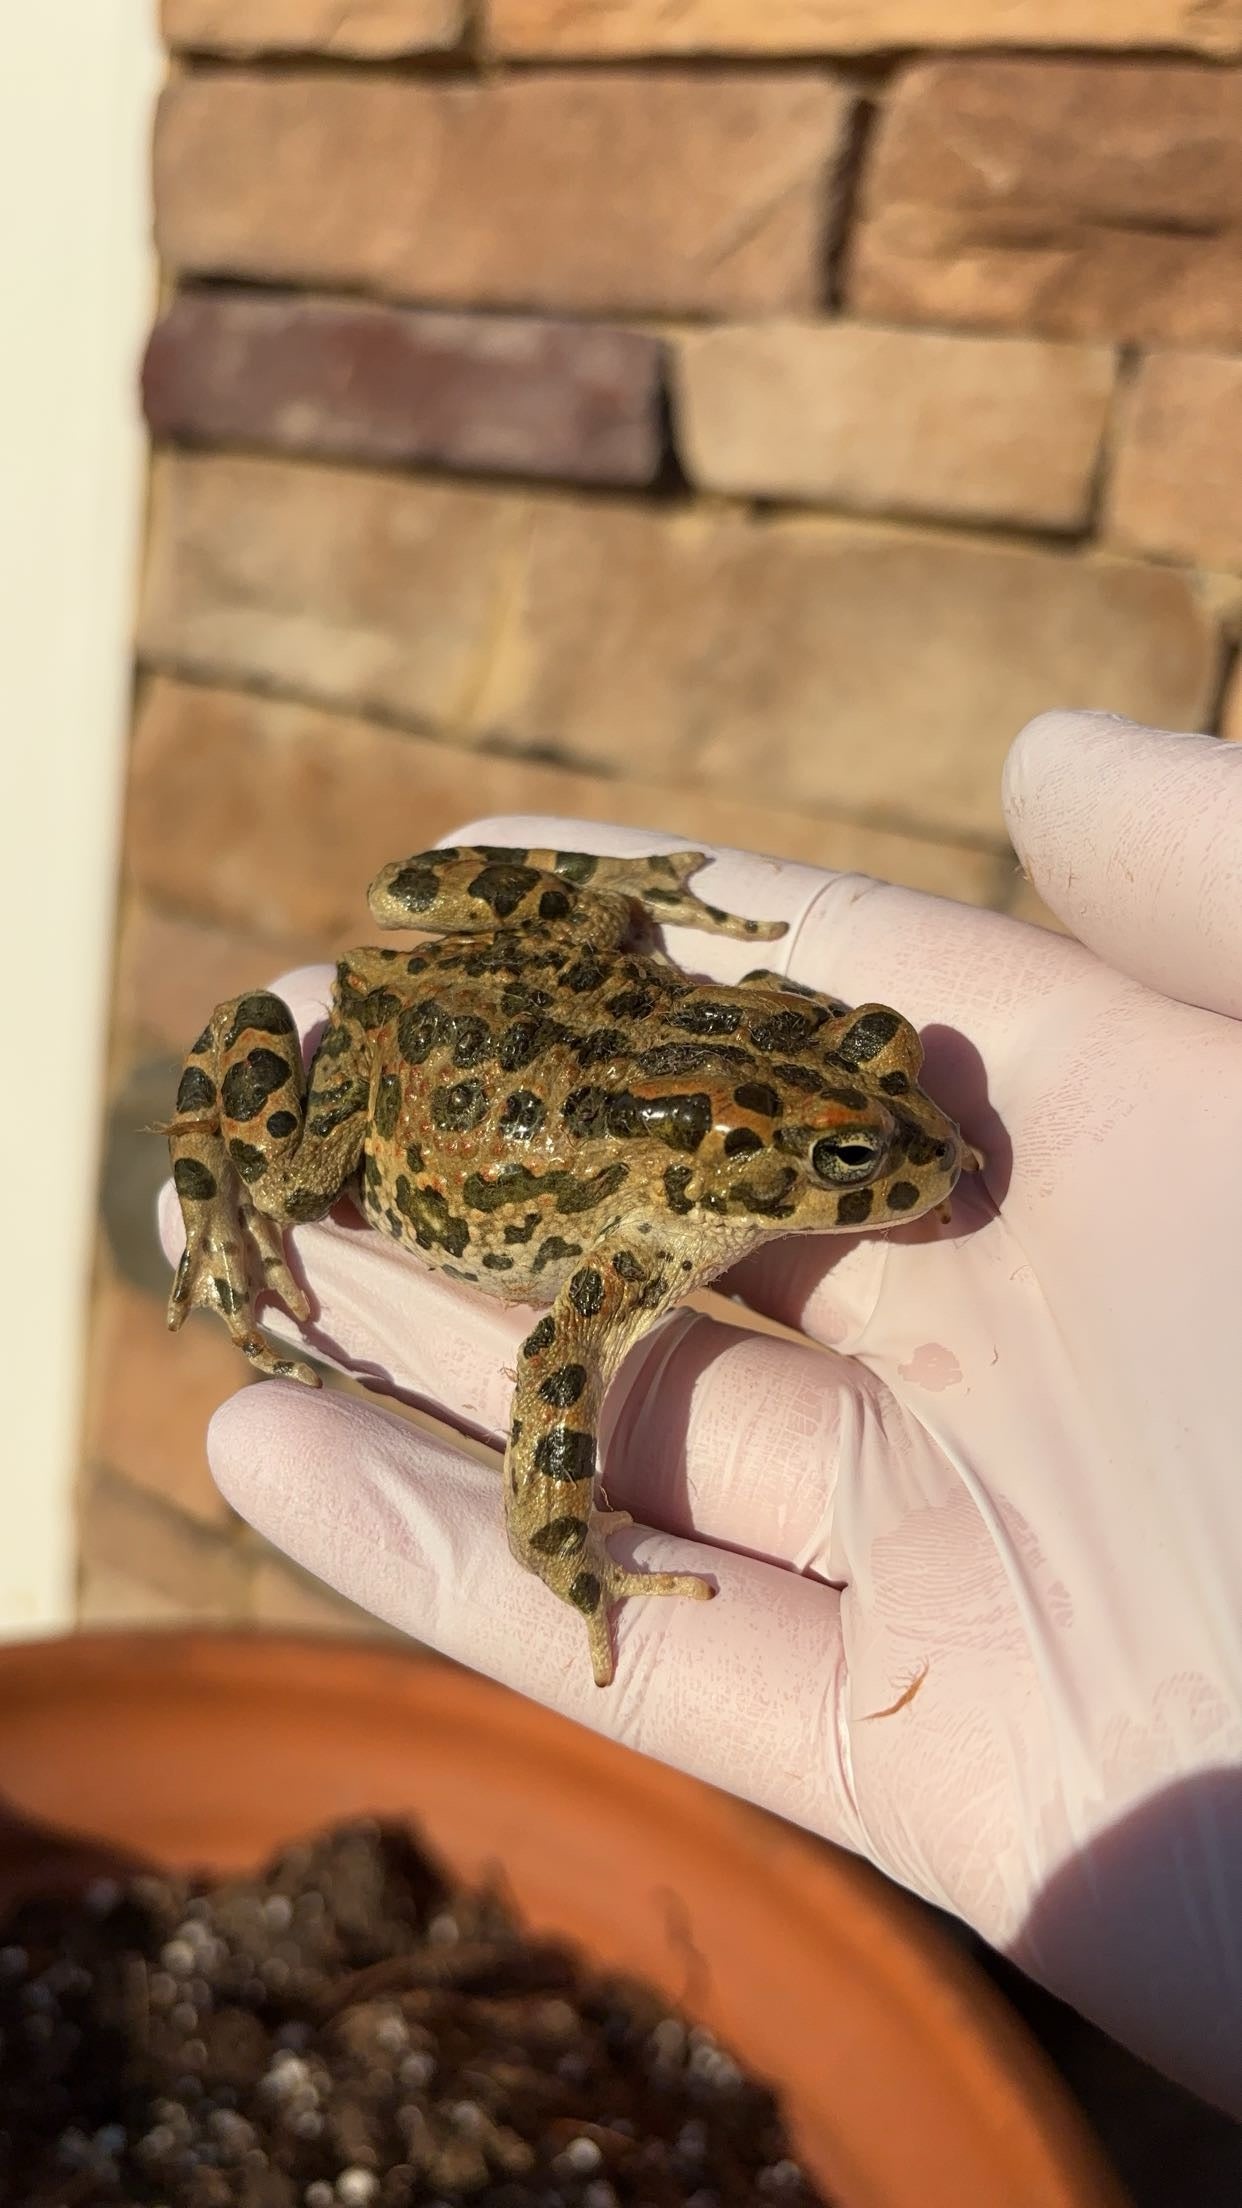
[979, 1549]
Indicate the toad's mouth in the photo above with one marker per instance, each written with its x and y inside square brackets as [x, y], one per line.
[970, 1160]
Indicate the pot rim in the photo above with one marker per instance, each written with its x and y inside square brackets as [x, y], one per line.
[860, 1926]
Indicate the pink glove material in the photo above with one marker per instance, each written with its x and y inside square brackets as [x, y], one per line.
[979, 1549]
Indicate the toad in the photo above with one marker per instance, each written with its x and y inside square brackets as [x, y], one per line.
[541, 1104]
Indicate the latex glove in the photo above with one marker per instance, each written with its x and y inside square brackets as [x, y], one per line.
[979, 1556]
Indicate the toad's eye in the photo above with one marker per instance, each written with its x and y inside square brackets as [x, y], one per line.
[852, 1154]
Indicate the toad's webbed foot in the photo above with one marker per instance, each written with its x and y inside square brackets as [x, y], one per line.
[232, 1255]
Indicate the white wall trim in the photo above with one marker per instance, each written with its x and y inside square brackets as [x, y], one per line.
[78, 287]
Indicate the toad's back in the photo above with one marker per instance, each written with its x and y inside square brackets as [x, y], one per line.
[521, 1085]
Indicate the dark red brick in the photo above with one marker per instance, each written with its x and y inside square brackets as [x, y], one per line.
[345, 379]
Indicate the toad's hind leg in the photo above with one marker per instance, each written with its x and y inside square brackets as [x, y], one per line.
[473, 890]
[232, 1251]
[563, 1367]
[255, 1145]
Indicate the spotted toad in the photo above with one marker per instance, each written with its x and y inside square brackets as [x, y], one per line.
[543, 1105]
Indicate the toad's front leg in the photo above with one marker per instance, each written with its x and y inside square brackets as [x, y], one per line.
[256, 1145]
[563, 1367]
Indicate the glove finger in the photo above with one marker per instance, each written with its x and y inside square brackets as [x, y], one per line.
[1133, 837]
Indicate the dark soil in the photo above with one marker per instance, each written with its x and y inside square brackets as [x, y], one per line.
[346, 2030]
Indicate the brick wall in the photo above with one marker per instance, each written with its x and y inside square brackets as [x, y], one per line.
[736, 418]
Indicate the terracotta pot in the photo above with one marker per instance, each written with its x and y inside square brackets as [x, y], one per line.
[905, 2079]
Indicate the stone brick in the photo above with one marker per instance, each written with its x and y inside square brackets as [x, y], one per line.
[992, 429]
[222, 777]
[364, 589]
[170, 967]
[358, 29]
[1076, 198]
[352, 380]
[272, 818]
[135, 1163]
[843, 666]
[108, 1595]
[1231, 709]
[151, 1394]
[583, 29]
[1176, 489]
[201, 1574]
[703, 192]
[367, 30]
